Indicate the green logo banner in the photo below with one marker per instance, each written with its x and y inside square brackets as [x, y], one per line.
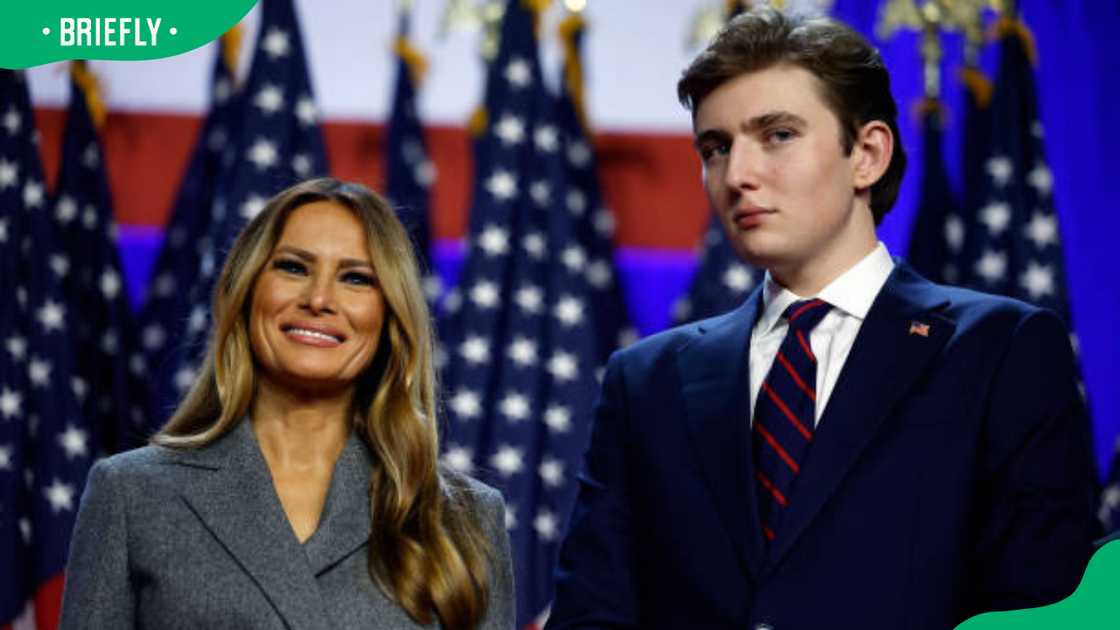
[1092, 605]
[33, 33]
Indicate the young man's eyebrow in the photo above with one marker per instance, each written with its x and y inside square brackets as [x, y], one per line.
[762, 121]
[709, 135]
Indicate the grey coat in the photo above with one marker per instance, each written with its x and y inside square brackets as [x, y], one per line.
[198, 539]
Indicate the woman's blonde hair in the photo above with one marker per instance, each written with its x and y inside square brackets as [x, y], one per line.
[427, 550]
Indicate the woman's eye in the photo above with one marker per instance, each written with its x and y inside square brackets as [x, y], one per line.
[358, 278]
[290, 266]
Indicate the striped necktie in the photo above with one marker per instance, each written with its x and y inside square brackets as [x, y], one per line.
[784, 414]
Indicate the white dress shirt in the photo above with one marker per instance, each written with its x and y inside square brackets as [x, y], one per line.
[851, 295]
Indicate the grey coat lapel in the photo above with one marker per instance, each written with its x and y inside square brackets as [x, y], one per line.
[716, 392]
[885, 361]
[344, 527]
[234, 497]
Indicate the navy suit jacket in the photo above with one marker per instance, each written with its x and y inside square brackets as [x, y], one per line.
[950, 474]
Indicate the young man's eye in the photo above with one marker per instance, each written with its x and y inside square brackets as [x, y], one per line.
[359, 278]
[288, 265]
[715, 149]
[780, 135]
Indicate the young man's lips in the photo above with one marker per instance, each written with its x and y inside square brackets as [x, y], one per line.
[750, 218]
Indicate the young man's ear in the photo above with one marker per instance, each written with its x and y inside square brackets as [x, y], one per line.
[871, 153]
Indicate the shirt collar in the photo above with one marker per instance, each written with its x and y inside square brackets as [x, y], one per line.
[852, 291]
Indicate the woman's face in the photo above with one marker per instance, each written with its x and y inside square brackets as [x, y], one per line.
[317, 308]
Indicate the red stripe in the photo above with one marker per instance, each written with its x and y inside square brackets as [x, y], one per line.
[770, 488]
[769, 533]
[805, 307]
[777, 447]
[48, 603]
[805, 347]
[797, 379]
[808, 435]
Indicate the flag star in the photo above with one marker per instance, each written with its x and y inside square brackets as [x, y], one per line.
[518, 73]
[558, 419]
[494, 240]
[306, 111]
[552, 472]
[39, 371]
[3, 230]
[541, 192]
[153, 337]
[413, 151]
[626, 337]
[32, 194]
[79, 387]
[60, 495]
[502, 185]
[515, 407]
[17, 347]
[1042, 230]
[511, 516]
[110, 343]
[425, 173]
[529, 299]
[573, 258]
[137, 365]
[508, 460]
[569, 310]
[579, 154]
[110, 284]
[604, 222]
[459, 459]
[263, 154]
[682, 308]
[563, 366]
[547, 525]
[546, 139]
[1036, 129]
[954, 232]
[59, 264]
[737, 277]
[184, 378]
[9, 173]
[510, 130]
[453, 301]
[91, 157]
[599, 274]
[484, 294]
[222, 90]
[1037, 280]
[66, 210]
[270, 99]
[11, 403]
[73, 441]
[534, 244]
[301, 164]
[12, 121]
[252, 207]
[276, 43]
[996, 215]
[465, 404]
[5, 458]
[1041, 178]
[165, 284]
[992, 266]
[523, 351]
[576, 202]
[25, 530]
[1000, 168]
[475, 349]
[433, 287]
[52, 316]
[197, 319]
[89, 217]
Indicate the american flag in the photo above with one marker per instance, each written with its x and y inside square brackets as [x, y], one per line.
[109, 378]
[594, 222]
[937, 238]
[409, 172]
[176, 267]
[275, 142]
[521, 342]
[46, 447]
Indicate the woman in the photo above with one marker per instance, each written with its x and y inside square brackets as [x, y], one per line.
[297, 485]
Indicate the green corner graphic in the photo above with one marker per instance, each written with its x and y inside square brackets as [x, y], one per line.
[1093, 605]
[34, 33]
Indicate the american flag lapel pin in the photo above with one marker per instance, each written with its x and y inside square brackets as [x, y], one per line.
[919, 328]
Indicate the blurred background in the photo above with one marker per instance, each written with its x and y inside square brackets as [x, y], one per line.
[545, 167]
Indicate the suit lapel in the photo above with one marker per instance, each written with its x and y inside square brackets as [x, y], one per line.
[890, 352]
[344, 527]
[716, 396]
[234, 497]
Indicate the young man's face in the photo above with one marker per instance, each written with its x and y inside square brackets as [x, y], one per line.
[775, 170]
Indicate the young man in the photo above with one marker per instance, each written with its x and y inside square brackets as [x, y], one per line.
[853, 447]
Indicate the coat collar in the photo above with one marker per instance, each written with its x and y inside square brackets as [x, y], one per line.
[234, 497]
[714, 372]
